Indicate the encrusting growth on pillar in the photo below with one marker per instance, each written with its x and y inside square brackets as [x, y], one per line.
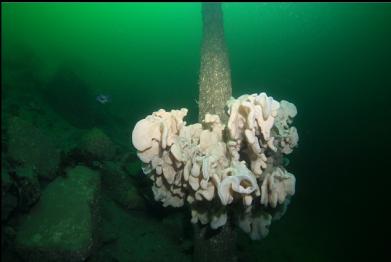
[229, 168]
[215, 74]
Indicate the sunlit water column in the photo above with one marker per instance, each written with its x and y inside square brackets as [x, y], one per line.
[215, 90]
[215, 72]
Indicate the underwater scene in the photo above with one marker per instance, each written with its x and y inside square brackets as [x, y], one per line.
[195, 131]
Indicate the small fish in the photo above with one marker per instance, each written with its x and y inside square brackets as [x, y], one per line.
[103, 99]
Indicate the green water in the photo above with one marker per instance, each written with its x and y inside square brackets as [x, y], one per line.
[332, 60]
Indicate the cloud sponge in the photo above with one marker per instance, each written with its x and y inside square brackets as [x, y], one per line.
[213, 167]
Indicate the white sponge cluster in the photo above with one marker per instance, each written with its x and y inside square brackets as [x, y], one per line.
[213, 167]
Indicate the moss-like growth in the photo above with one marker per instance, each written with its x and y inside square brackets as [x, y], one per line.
[32, 147]
[120, 187]
[62, 225]
[98, 145]
[215, 73]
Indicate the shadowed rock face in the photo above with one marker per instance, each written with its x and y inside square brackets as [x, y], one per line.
[71, 98]
[8, 201]
[120, 187]
[62, 225]
[32, 147]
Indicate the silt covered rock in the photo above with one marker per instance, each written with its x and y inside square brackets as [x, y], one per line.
[120, 187]
[32, 147]
[62, 225]
[98, 145]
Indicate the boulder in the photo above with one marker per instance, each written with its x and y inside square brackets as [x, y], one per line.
[62, 225]
[32, 147]
[120, 187]
[98, 145]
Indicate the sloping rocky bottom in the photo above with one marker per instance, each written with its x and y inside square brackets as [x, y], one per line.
[72, 194]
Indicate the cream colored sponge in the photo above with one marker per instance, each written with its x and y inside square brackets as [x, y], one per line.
[212, 166]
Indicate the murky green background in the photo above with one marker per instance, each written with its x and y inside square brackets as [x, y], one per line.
[330, 59]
